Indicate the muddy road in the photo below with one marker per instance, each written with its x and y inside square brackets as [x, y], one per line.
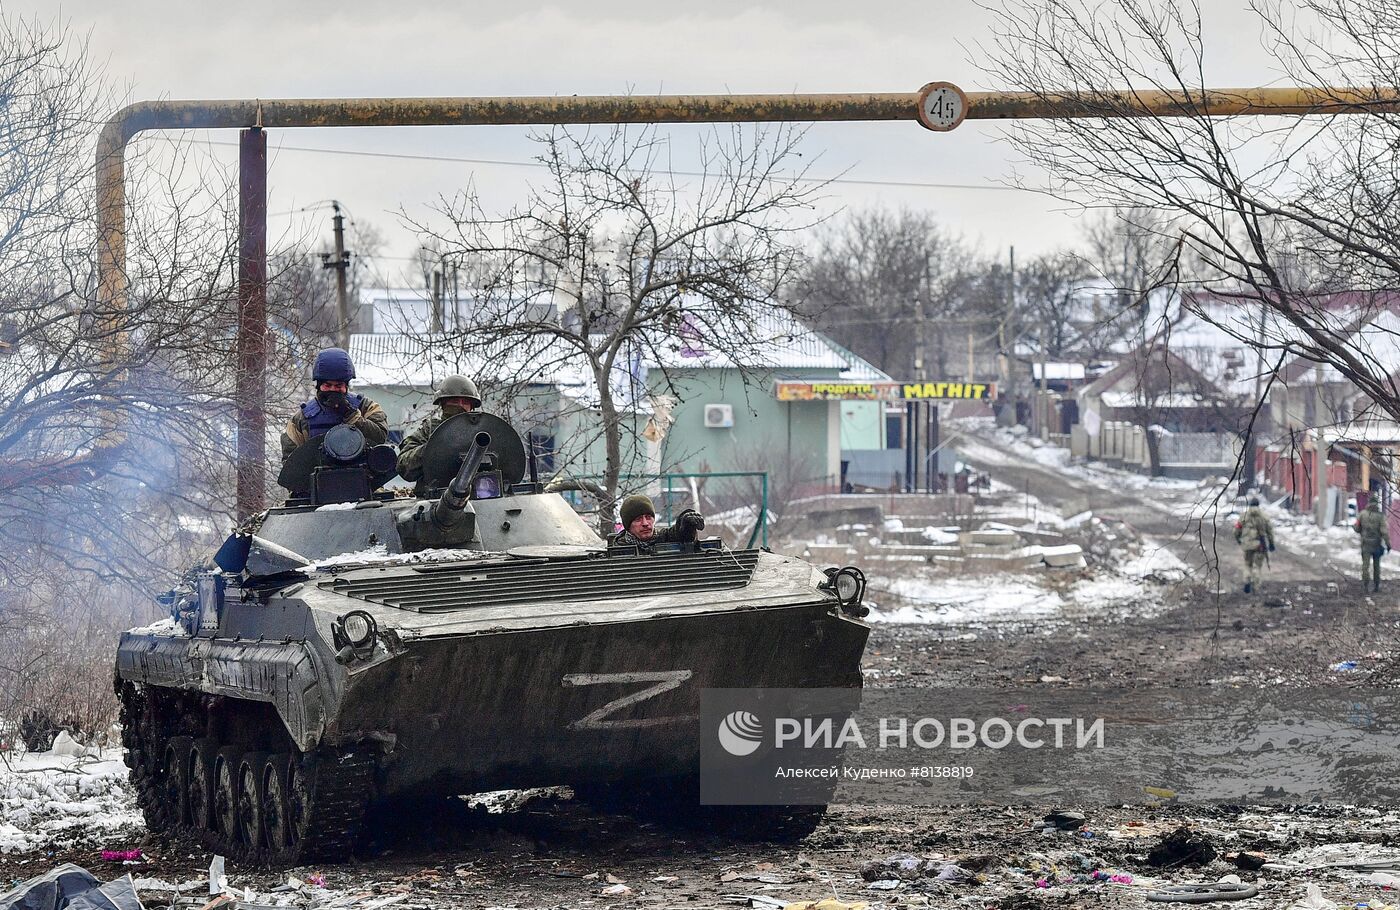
[1197, 526]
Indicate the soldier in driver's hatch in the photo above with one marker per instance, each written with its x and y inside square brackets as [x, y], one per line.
[456, 395]
[639, 526]
[334, 405]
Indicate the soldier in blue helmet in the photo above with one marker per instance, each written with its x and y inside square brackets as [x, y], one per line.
[333, 405]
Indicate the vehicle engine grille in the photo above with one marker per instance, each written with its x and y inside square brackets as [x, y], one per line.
[464, 586]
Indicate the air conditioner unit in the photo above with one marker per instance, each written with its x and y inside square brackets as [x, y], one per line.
[718, 416]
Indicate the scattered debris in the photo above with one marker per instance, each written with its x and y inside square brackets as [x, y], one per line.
[1184, 846]
[900, 867]
[760, 900]
[71, 887]
[1247, 860]
[218, 881]
[1065, 820]
[1314, 900]
[121, 856]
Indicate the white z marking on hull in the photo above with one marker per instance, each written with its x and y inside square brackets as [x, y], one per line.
[665, 681]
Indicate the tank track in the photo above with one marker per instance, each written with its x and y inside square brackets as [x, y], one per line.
[253, 802]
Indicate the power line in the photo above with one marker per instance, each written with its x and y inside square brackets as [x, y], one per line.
[848, 181]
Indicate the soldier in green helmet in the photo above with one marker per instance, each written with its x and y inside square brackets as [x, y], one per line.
[456, 395]
[639, 526]
[1255, 535]
[1375, 543]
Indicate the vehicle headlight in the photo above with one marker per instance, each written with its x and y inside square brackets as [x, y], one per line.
[849, 586]
[358, 629]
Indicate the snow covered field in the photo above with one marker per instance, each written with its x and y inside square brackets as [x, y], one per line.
[47, 798]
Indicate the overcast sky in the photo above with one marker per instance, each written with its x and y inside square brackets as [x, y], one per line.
[308, 48]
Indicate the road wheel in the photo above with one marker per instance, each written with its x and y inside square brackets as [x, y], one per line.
[174, 781]
[251, 797]
[277, 821]
[298, 797]
[226, 764]
[200, 799]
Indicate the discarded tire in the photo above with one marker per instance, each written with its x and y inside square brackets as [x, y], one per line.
[1202, 894]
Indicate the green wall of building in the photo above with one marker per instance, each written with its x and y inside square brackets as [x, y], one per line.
[801, 437]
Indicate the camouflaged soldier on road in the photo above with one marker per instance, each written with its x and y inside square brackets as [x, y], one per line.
[334, 405]
[639, 526]
[1375, 543]
[456, 395]
[1255, 535]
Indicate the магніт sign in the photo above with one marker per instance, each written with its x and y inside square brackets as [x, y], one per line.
[883, 391]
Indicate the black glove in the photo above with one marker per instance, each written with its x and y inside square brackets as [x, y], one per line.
[690, 520]
[336, 403]
[1272, 548]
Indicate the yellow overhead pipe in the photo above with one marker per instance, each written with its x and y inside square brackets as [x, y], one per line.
[578, 109]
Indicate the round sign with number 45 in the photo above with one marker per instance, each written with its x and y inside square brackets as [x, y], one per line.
[942, 106]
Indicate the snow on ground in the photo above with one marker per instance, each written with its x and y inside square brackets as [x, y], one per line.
[47, 798]
[1130, 584]
[1155, 561]
[952, 600]
[1011, 446]
[962, 599]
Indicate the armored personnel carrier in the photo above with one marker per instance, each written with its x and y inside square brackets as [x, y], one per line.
[355, 649]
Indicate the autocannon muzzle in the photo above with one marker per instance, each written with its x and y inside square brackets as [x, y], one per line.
[451, 506]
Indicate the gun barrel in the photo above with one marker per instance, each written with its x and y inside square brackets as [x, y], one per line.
[453, 501]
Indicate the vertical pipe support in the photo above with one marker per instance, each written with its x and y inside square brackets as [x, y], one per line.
[250, 383]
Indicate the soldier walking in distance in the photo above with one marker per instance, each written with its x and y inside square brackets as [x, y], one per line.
[639, 526]
[1375, 543]
[1255, 535]
[456, 395]
[334, 405]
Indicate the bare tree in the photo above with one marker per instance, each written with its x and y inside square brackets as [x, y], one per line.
[302, 290]
[1051, 288]
[613, 262]
[1134, 252]
[878, 277]
[116, 418]
[1231, 197]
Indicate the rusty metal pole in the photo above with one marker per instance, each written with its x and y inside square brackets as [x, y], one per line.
[249, 386]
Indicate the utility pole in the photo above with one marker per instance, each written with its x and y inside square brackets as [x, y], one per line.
[341, 264]
[911, 408]
[456, 305]
[1319, 483]
[1249, 458]
[1042, 398]
[250, 386]
[1009, 355]
[435, 313]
